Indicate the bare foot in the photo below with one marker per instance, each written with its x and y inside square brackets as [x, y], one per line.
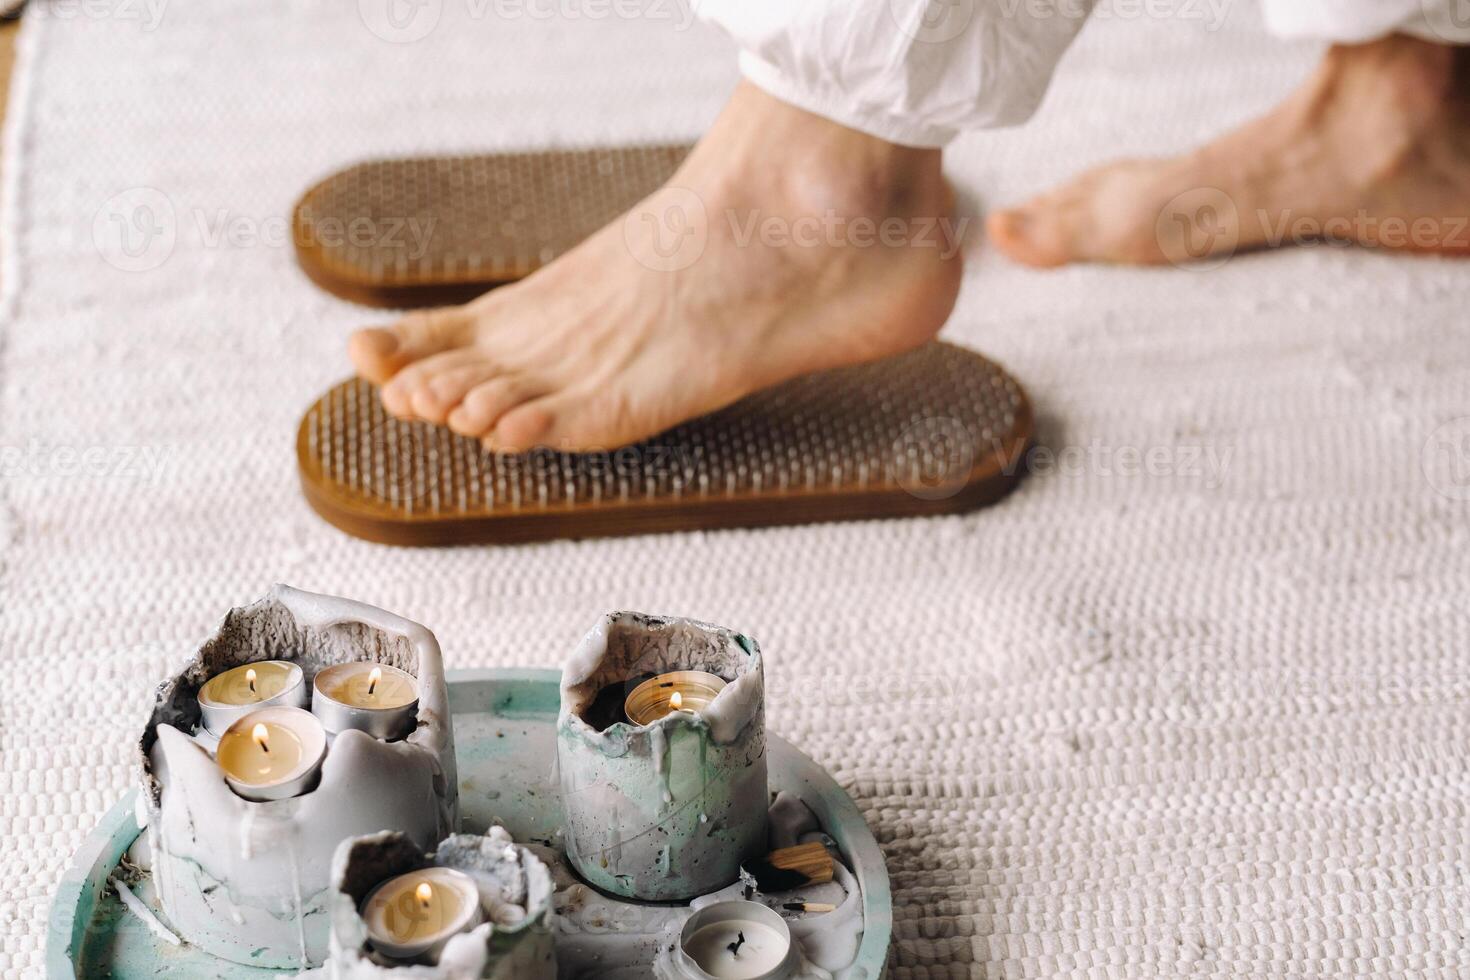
[1373, 150]
[764, 258]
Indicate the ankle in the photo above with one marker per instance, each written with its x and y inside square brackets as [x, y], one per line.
[816, 165]
[1414, 80]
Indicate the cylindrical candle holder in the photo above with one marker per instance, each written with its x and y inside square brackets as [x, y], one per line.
[249, 881]
[671, 809]
[509, 939]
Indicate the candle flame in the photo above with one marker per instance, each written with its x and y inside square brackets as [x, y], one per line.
[676, 700]
[373, 678]
[258, 735]
[424, 894]
[250, 678]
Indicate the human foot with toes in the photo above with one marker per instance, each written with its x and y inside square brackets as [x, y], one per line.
[1373, 149]
[727, 280]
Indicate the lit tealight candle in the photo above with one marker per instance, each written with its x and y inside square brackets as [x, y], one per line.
[374, 698]
[737, 941]
[226, 697]
[272, 753]
[412, 916]
[679, 690]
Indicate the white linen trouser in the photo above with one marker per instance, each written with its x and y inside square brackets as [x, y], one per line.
[918, 72]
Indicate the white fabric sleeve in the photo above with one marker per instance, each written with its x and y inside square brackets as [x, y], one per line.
[1357, 21]
[915, 72]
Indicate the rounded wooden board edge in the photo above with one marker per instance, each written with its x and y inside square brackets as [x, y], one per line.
[85, 878]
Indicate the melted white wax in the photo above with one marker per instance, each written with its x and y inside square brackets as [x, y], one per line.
[135, 905]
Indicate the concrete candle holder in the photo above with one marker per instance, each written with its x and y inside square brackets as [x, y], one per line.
[671, 809]
[516, 897]
[249, 882]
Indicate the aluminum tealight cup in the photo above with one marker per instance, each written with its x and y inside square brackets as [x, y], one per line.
[711, 946]
[389, 912]
[228, 696]
[300, 746]
[343, 697]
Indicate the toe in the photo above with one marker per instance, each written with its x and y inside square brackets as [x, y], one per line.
[484, 404]
[379, 353]
[579, 419]
[1030, 235]
[411, 386]
[442, 393]
[526, 427]
[1111, 214]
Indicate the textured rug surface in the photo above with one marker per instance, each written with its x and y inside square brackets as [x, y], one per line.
[1192, 702]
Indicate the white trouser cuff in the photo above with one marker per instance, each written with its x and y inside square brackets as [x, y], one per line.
[839, 107]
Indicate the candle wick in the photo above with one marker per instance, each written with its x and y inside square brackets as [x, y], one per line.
[734, 947]
[264, 747]
[371, 685]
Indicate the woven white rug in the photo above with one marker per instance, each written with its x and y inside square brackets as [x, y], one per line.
[1198, 711]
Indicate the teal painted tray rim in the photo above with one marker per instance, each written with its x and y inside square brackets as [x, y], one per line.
[85, 878]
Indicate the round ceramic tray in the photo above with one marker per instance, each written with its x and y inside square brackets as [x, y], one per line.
[505, 741]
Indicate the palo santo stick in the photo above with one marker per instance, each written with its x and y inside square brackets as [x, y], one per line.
[792, 867]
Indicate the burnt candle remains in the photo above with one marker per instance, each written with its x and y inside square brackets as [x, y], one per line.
[734, 947]
[607, 708]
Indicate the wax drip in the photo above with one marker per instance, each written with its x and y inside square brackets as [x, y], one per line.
[300, 911]
[247, 834]
[704, 782]
[661, 763]
[615, 851]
